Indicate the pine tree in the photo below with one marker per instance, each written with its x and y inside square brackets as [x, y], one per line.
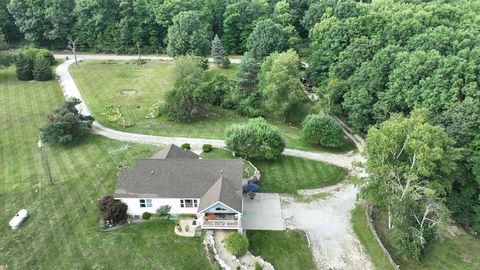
[218, 53]
[41, 69]
[24, 67]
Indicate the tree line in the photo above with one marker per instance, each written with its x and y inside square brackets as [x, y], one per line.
[123, 26]
[407, 74]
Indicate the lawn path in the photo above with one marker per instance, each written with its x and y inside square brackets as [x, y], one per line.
[326, 221]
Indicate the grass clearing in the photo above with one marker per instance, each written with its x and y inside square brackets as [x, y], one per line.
[370, 245]
[289, 174]
[460, 251]
[283, 249]
[62, 231]
[102, 82]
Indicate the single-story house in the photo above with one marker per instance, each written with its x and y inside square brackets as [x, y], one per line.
[210, 189]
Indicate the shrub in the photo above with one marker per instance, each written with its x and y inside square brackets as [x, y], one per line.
[226, 62]
[237, 244]
[204, 63]
[24, 67]
[216, 90]
[154, 112]
[186, 146]
[322, 129]
[163, 210]
[112, 113]
[258, 266]
[126, 123]
[111, 209]
[207, 148]
[33, 53]
[41, 69]
[255, 140]
[146, 215]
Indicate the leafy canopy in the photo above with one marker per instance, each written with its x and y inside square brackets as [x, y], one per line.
[255, 139]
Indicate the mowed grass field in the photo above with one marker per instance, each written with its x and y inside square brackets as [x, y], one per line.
[289, 174]
[459, 251]
[285, 250]
[135, 88]
[62, 231]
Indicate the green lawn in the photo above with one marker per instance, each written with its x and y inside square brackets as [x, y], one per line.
[370, 245]
[62, 231]
[448, 253]
[286, 250]
[288, 174]
[137, 87]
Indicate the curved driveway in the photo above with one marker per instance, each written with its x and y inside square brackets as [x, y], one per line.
[70, 89]
[326, 221]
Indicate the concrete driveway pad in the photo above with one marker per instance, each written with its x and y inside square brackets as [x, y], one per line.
[263, 213]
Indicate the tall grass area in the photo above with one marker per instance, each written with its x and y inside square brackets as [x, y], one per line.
[455, 249]
[135, 88]
[62, 231]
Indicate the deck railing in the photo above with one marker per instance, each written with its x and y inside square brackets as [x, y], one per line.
[220, 224]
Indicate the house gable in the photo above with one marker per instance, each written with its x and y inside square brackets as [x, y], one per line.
[218, 207]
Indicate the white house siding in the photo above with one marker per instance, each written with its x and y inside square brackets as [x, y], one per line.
[135, 209]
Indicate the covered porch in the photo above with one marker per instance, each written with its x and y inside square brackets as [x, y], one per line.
[220, 220]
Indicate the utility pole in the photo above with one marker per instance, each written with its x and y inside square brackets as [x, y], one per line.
[44, 155]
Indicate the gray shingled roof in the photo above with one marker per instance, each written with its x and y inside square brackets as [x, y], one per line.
[222, 191]
[173, 151]
[182, 178]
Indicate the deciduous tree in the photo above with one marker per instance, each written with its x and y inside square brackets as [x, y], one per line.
[409, 166]
[281, 87]
[255, 140]
[322, 129]
[267, 37]
[112, 210]
[188, 35]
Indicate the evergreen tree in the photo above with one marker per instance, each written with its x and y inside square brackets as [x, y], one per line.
[24, 67]
[66, 124]
[41, 69]
[218, 53]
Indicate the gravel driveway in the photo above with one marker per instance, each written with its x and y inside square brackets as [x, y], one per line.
[327, 223]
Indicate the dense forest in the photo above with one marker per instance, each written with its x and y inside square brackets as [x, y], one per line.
[369, 61]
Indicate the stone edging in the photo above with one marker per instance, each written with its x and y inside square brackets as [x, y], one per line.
[209, 241]
[368, 214]
[256, 174]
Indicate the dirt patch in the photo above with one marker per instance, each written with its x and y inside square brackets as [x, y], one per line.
[327, 224]
[128, 92]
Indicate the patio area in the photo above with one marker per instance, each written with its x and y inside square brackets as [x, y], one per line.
[264, 212]
[187, 227]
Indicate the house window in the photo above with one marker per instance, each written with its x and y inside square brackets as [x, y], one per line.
[220, 209]
[187, 203]
[145, 203]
